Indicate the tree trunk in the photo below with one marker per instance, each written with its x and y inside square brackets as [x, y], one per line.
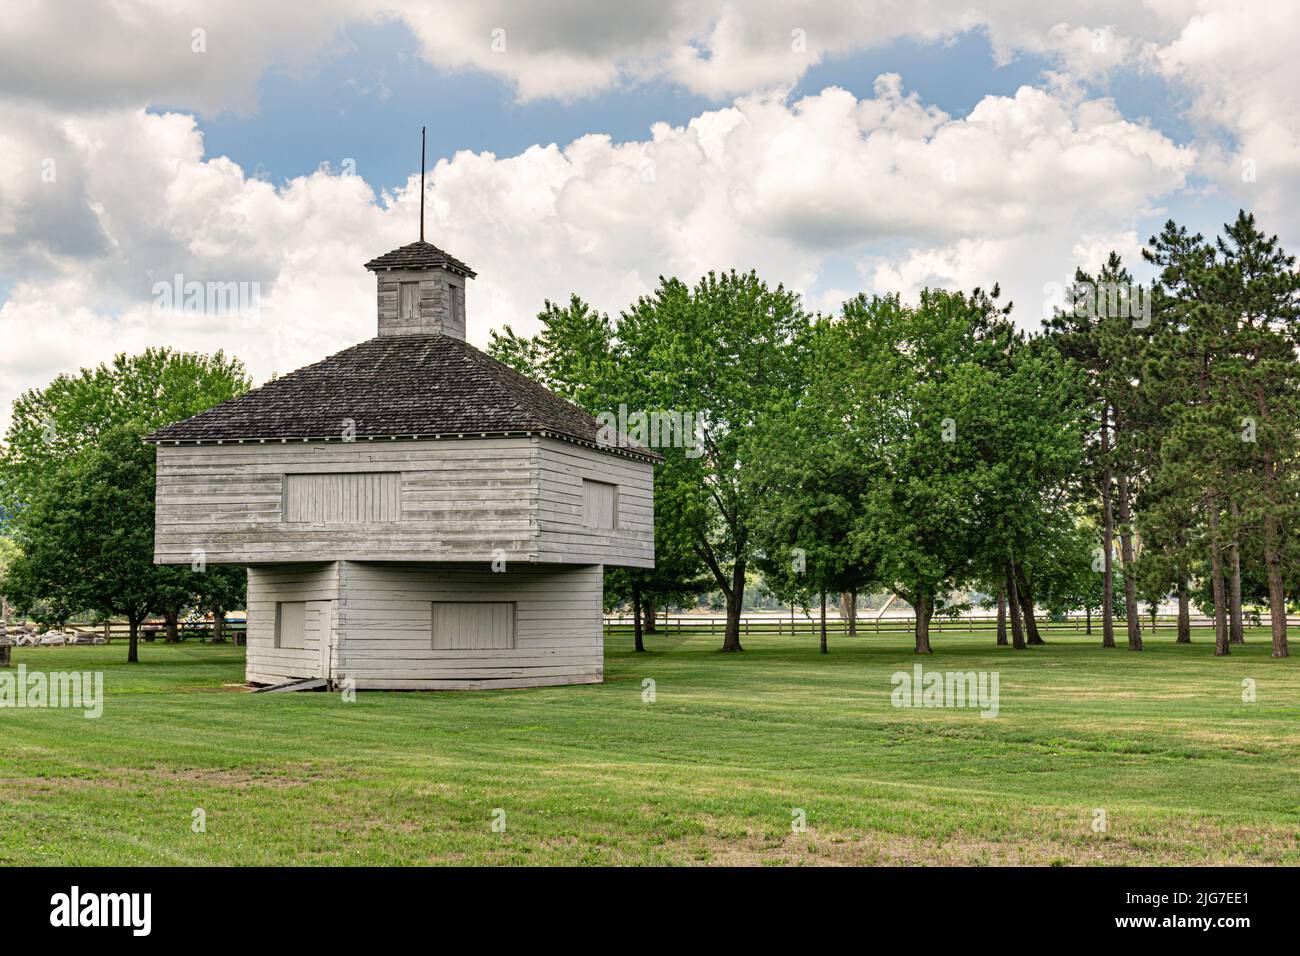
[1108, 536]
[636, 618]
[1002, 617]
[1184, 614]
[1236, 635]
[849, 611]
[1276, 589]
[1027, 606]
[133, 640]
[824, 621]
[173, 633]
[1032, 635]
[648, 609]
[1216, 584]
[924, 608]
[1087, 620]
[735, 598]
[1130, 579]
[1013, 609]
[218, 625]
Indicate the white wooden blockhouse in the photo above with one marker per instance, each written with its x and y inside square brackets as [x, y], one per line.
[413, 513]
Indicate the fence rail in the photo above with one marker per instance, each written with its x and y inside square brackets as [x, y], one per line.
[963, 625]
[149, 630]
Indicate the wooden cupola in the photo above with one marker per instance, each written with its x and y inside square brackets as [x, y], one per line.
[421, 291]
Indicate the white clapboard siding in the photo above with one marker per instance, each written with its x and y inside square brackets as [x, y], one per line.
[575, 485]
[449, 500]
[456, 500]
[343, 497]
[389, 626]
[314, 587]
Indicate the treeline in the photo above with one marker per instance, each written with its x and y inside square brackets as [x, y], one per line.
[77, 493]
[1140, 444]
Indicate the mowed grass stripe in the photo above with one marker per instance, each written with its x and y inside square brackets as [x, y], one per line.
[710, 772]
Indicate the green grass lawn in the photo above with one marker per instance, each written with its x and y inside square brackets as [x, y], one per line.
[710, 772]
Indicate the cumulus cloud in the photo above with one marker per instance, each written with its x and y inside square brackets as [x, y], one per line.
[720, 48]
[766, 183]
[1240, 66]
[133, 52]
[1032, 269]
[100, 200]
[189, 53]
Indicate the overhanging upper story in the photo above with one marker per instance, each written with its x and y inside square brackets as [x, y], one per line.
[525, 497]
[412, 446]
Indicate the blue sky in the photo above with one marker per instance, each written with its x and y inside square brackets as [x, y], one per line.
[1078, 148]
[369, 101]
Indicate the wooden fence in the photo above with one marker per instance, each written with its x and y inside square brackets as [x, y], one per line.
[149, 631]
[689, 624]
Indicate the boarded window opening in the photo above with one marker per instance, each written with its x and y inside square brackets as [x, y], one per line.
[409, 301]
[600, 505]
[454, 293]
[473, 625]
[343, 498]
[291, 625]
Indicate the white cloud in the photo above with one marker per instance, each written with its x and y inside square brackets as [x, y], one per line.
[1032, 268]
[720, 48]
[198, 55]
[136, 52]
[1240, 64]
[1019, 191]
[768, 184]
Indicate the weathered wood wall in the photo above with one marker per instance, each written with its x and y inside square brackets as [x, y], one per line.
[374, 623]
[437, 314]
[566, 531]
[317, 584]
[386, 636]
[460, 500]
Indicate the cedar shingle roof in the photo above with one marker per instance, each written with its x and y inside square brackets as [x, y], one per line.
[420, 255]
[396, 386]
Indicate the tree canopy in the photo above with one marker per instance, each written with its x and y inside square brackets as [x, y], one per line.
[78, 487]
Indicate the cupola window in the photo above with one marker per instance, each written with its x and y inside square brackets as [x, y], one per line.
[409, 301]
